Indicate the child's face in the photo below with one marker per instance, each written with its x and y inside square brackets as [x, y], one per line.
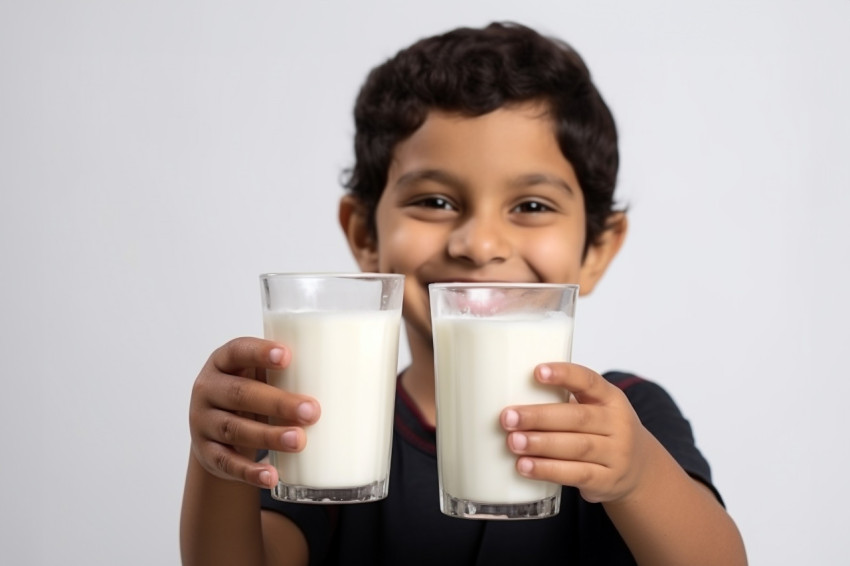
[490, 198]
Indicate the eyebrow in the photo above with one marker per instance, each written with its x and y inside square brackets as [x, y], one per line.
[435, 175]
[445, 178]
[544, 179]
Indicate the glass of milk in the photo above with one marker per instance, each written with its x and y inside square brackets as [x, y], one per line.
[488, 338]
[343, 332]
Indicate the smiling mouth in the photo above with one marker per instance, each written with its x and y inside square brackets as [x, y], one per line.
[473, 298]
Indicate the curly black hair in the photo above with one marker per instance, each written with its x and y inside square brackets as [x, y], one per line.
[471, 72]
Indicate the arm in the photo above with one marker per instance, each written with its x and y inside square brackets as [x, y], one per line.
[597, 444]
[221, 521]
[673, 519]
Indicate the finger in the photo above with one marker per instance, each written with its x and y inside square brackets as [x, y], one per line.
[245, 353]
[236, 431]
[557, 417]
[575, 474]
[239, 394]
[575, 447]
[226, 463]
[586, 385]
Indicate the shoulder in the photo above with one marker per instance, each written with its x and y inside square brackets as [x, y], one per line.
[623, 380]
[661, 416]
[648, 398]
[653, 404]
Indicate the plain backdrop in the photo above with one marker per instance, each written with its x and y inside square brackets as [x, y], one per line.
[156, 156]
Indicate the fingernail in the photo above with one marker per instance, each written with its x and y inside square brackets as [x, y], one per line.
[276, 355]
[306, 411]
[525, 466]
[519, 441]
[511, 418]
[266, 478]
[545, 373]
[289, 439]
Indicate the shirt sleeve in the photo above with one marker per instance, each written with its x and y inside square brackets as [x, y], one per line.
[663, 419]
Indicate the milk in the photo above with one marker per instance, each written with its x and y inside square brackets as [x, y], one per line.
[482, 366]
[348, 362]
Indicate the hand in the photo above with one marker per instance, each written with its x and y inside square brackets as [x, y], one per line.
[594, 443]
[231, 408]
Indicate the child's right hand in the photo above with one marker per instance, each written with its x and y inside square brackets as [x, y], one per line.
[231, 408]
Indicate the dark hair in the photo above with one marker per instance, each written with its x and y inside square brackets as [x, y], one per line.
[473, 72]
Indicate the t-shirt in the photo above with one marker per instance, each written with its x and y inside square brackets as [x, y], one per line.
[408, 529]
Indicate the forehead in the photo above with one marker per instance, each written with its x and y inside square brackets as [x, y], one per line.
[511, 141]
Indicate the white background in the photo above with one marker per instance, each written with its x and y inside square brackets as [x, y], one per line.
[156, 156]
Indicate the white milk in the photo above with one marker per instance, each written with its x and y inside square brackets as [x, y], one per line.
[348, 362]
[484, 365]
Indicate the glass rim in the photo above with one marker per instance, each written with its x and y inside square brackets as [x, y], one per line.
[331, 275]
[500, 285]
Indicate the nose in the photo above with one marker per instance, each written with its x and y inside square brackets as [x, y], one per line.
[480, 240]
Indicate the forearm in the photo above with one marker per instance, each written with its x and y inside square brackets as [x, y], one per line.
[220, 521]
[673, 519]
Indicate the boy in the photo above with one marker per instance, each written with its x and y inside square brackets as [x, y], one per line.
[481, 155]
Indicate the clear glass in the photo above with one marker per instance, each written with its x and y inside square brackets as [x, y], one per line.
[488, 338]
[343, 331]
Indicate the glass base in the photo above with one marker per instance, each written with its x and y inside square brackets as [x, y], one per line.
[301, 494]
[465, 509]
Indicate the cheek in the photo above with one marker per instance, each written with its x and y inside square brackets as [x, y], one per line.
[403, 246]
[391, 245]
[556, 258]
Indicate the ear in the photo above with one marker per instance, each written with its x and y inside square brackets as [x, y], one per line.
[600, 254]
[355, 224]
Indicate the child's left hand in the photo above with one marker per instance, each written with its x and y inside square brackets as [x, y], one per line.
[594, 443]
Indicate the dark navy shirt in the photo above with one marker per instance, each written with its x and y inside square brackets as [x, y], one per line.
[408, 529]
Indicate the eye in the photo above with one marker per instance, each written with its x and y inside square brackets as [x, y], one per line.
[434, 202]
[532, 206]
